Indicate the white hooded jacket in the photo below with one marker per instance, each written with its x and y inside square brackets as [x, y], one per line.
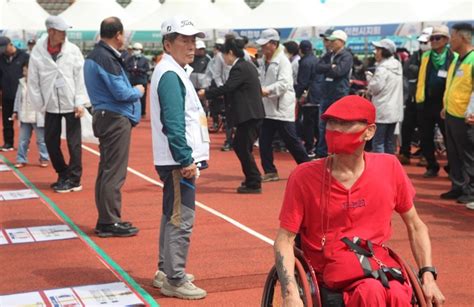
[386, 87]
[56, 86]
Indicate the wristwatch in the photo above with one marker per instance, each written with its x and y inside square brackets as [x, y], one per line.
[430, 269]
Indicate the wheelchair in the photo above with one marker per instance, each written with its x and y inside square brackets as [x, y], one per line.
[311, 292]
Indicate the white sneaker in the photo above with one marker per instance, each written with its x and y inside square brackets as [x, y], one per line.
[161, 276]
[187, 291]
[470, 205]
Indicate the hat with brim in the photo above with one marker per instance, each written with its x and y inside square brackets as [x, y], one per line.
[57, 23]
[338, 34]
[267, 36]
[181, 25]
[326, 33]
[387, 44]
[351, 108]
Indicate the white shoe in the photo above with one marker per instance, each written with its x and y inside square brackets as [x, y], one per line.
[161, 276]
[470, 205]
[187, 291]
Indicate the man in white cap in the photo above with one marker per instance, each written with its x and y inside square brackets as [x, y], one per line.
[138, 68]
[429, 96]
[180, 142]
[56, 86]
[410, 72]
[218, 72]
[337, 72]
[199, 65]
[276, 77]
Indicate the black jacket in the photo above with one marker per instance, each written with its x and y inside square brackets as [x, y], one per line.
[11, 72]
[137, 69]
[308, 79]
[242, 92]
[336, 83]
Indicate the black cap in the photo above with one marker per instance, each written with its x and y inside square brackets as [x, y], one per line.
[31, 41]
[327, 33]
[4, 42]
[306, 46]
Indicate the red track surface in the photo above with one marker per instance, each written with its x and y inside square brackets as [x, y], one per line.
[228, 262]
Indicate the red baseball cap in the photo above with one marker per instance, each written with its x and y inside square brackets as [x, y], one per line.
[351, 108]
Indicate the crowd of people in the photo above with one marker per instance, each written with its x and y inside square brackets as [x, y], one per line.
[286, 94]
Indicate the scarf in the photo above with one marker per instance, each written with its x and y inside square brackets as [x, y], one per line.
[438, 59]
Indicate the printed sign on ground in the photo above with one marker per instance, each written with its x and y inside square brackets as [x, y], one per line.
[17, 194]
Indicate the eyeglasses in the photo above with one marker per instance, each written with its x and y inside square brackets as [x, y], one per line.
[423, 43]
[436, 38]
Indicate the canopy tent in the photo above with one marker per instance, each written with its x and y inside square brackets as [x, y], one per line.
[137, 9]
[203, 13]
[86, 15]
[457, 10]
[22, 15]
[236, 12]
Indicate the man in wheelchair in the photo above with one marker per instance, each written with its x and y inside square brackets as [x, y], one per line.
[341, 207]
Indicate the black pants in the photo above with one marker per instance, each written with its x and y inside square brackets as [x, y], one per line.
[114, 132]
[287, 132]
[428, 117]
[310, 126]
[7, 112]
[408, 126]
[143, 98]
[460, 148]
[52, 138]
[245, 136]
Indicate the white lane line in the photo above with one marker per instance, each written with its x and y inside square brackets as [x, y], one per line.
[199, 204]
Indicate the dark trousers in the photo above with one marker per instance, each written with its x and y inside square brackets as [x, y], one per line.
[245, 136]
[460, 148]
[7, 112]
[113, 131]
[52, 138]
[428, 117]
[143, 98]
[310, 126]
[321, 146]
[408, 126]
[287, 132]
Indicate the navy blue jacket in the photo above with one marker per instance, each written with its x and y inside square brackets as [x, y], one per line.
[107, 84]
[308, 79]
[11, 71]
[137, 68]
[336, 83]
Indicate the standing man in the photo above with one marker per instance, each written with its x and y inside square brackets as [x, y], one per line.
[459, 113]
[336, 67]
[180, 140]
[429, 93]
[138, 67]
[12, 61]
[276, 76]
[116, 107]
[56, 86]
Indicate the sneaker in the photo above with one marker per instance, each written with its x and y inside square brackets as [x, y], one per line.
[117, 230]
[470, 206]
[7, 147]
[248, 190]
[57, 183]
[226, 147]
[465, 199]
[67, 186]
[311, 154]
[187, 291]
[20, 165]
[160, 277]
[404, 160]
[270, 177]
[451, 194]
[98, 226]
[430, 173]
[44, 163]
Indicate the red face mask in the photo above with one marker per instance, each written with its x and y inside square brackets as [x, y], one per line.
[343, 143]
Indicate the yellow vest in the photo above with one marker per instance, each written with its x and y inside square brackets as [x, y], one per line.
[459, 87]
[420, 85]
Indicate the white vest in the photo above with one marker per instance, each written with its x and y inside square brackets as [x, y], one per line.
[197, 136]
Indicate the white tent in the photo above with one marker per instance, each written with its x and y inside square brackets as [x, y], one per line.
[236, 13]
[138, 9]
[202, 12]
[86, 15]
[22, 15]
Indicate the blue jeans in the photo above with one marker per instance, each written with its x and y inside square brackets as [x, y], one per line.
[384, 139]
[25, 136]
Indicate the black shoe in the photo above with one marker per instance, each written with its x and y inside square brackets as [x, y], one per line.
[226, 147]
[7, 147]
[446, 168]
[465, 199]
[117, 230]
[57, 183]
[98, 226]
[451, 194]
[67, 186]
[430, 173]
[248, 190]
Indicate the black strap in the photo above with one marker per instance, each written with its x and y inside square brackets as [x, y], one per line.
[358, 249]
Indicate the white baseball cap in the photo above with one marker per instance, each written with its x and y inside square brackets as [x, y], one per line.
[425, 35]
[338, 34]
[220, 41]
[57, 23]
[386, 44]
[200, 44]
[181, 25]
[268, 35]
[137, 46]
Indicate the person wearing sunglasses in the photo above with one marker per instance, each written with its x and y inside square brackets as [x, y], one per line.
[429, 94]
